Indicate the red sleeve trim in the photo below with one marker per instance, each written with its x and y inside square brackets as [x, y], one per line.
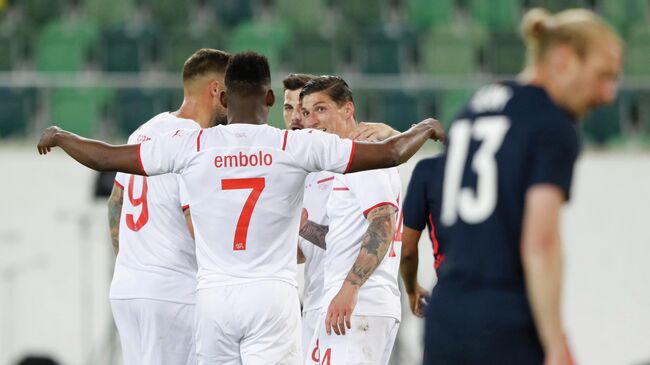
[325, 180]
[185, 207]
[341, 189]
[284, 143]
[198, 141]
[365, 212]
[354, 147]
[437, 257]
[140, 160]
[119, 185]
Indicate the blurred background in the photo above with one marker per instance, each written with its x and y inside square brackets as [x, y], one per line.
[101, 68]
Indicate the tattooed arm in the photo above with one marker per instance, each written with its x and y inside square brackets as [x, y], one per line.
[374, 245]
[313, 232]
[114, 213]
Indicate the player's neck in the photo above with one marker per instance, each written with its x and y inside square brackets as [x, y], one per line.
[248, 113]
[191, 109]
[540, 77]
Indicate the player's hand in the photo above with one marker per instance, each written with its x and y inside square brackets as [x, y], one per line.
[47, 140]
[558, 353]
[438, 132]
[339, 313]
[369, 132]
[418, 300]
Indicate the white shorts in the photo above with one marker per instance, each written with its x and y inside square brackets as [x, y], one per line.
[250, 324]
[369, 342]
[155, 331]
[309, 335]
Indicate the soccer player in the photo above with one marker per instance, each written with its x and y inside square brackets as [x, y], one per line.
[508, 172]
[317, 189]
[153, 292]
[245, 183]
[362, 242]
[421, 209]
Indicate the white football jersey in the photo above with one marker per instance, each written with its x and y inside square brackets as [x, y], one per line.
[157, 257]
[352, 197]
[317, 190]
[245, 184]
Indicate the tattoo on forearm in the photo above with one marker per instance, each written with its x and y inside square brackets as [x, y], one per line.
[114, 213]
[315, 233]
[374, 245]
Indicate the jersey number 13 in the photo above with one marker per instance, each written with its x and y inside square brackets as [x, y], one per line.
[472, 205]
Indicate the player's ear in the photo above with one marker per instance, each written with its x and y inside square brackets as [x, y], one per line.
[270, 98]
[222, 99]
[348, 109]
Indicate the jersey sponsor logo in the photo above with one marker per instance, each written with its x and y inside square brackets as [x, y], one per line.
[142, 138]
[177, 133]
[243, 160]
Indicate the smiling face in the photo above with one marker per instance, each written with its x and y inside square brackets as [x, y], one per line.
[319, 111]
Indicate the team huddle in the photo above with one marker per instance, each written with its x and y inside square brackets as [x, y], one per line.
[212, 209]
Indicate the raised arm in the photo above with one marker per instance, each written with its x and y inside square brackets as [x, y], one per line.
[375, 243]
[114, 214]
[91, 153]
[395, 150]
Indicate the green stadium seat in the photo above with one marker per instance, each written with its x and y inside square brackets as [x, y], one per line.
[496, 15]
[311, 53]
[169, 14]
[127, 49]
[624, 14]
[179, 44]
[637, 52]
[450, 103]
[78, 110]
[109, 13]
[232, 12]
[11, 47]
[360, 14]
[302, 17]
[452, 50]
[555, 5]
[400, 109]
[40, 12]
[423, 14]
[16, 108]
[505, 53]
[382, 53]
[269, 38]
[602, 125]
[133, 107]
[65, 46]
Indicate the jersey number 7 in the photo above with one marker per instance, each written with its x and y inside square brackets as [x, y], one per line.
[257, 184]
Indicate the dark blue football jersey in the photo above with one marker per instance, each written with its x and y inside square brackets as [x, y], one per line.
[421, 207]
[507, 138]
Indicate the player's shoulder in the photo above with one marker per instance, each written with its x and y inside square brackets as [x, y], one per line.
[161, 124]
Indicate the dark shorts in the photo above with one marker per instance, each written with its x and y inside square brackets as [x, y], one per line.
[479, 331]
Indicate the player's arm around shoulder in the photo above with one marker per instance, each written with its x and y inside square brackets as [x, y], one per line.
[397, 149]
[114, 214]
[94, 154]
[375, 243]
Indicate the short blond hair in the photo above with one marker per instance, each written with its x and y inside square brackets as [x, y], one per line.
[578, 28]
